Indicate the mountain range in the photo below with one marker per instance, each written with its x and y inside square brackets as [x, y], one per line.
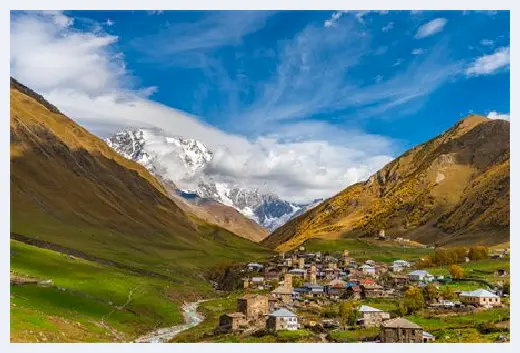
[453, 189]
[184, 162]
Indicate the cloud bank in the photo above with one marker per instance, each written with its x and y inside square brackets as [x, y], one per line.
[82, 73]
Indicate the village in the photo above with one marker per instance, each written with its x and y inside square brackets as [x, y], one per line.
[287, 292]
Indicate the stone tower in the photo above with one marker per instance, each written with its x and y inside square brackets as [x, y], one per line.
[287, 281]
[312, 274]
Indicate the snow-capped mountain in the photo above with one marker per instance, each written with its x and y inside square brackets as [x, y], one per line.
[183, 161]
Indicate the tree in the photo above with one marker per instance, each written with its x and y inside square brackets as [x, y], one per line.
[297, 282]
[431, 294]
[348, 313]
[401, 309]
[413, 299]
[448, 293]
[456, 271]
[461, 252]
[425, 262]
[478, 253]
[506, 288]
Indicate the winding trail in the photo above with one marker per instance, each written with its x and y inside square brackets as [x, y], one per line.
[191, 317]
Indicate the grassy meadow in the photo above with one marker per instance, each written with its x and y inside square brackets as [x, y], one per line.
[364, 250]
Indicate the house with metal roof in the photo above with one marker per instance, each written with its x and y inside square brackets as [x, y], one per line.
[420, 275]
[282, 319]
[480, 297]
[371, 317]
[400, 330]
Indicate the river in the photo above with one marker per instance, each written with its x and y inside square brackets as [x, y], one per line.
[191, 317]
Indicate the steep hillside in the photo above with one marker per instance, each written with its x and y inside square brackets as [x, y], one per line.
[69, 188]
[453, 189]
[216, 213]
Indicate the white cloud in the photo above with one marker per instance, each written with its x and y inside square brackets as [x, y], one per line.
[109, 22]
[336, 16]
[388, 27]
[429, 29]
[495, 115]
[487, 42]
[82, 74]
[398, 62]
[489, 64]
[331, 22]
[418, 51]
[192, 39]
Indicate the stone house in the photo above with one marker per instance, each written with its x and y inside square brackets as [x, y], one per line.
[398, 280]
[232, 322]
[372, 291]
[253, 305]
[273, 302]
[254, 283]
[336, 288]
[368, 270]
[284, 292]
[372, 317]
[282, 319]
[400, 330]
[480, 297]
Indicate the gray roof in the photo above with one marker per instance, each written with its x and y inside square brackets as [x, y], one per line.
[282, 313]
[399, 322]
[419, 273]
[366, 308]
[481, 293]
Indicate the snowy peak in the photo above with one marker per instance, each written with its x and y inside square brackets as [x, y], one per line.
[183, 161]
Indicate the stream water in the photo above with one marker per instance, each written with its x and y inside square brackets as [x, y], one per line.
[191, 318]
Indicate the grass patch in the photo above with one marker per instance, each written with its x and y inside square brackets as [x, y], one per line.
[355, 335]
[363, 250]
[460, 321]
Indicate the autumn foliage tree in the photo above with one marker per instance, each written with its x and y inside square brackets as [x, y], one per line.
[413, 299]
[448, 293]
[431, 293]
[478, 253]
[456, 271]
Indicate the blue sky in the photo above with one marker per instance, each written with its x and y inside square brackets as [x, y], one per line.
[366, 85]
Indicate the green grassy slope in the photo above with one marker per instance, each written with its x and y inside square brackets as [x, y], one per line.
[85, 292]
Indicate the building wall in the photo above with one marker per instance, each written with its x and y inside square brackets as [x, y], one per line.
[253, 307]
[481, 301]
[372, 319]
[401, 335]
[282, 323]
[230, 323]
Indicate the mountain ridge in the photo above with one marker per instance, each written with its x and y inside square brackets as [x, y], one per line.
[419, 194]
